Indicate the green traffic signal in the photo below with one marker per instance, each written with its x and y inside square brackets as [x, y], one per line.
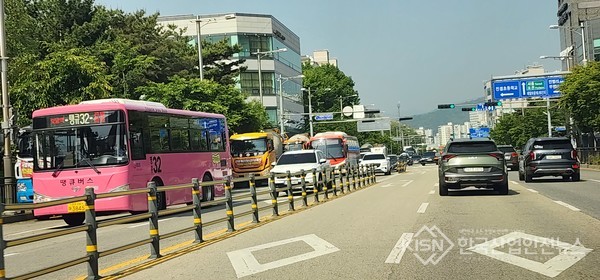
[493, 103]
[446, 106]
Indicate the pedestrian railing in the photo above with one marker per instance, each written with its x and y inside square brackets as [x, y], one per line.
[349, 179]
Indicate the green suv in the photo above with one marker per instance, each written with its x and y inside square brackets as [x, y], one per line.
[472, 163]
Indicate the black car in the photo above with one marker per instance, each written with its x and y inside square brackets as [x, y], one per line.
[427, 158]
[511, 156]
[549, 156]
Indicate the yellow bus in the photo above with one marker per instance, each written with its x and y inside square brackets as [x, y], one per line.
[254, 152]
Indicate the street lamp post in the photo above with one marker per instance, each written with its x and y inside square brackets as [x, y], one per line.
[7, 159]
[198, 37]
[281, 111]
[581, 33]
[310, 112]
[259, 56]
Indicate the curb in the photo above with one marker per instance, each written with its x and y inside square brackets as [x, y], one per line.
[14, 217]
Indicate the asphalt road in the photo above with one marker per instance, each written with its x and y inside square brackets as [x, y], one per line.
[396, 229]
[402, 229]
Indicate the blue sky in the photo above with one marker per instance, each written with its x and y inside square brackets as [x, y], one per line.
[413, 52]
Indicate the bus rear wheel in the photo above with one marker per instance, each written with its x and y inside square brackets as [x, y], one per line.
[75, 219]
[208, 193]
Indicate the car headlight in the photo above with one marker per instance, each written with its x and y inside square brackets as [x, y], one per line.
[21, 187]
[120, 188]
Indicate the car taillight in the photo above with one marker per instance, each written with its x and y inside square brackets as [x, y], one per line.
[532, 155]
[497, 156]
[576, 166]
[574, 154]
[447, 157]
[514, 154]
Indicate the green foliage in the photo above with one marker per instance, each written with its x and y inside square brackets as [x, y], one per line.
[581, 96]
[208, 96]
[515, 129]
[328, 84]
[65, 51]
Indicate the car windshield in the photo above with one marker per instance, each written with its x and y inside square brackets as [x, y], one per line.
[472, 147]
[249, 146]
[374, 157]
[416, 157]
[78, 146]
[332, 148]
[297, 158]
[428, 154]
[506, 149]
[552, 145]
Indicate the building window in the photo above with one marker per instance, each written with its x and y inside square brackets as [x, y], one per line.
[249, 83]
[252, 43]
[597, 49]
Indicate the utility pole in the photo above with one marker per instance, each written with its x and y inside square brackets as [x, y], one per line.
[8, 166]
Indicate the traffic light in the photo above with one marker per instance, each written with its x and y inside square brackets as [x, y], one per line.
[493, 103]
[470, 109]
[446, 106]
[405, 119]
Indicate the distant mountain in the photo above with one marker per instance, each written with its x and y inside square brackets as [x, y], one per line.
[439, 117]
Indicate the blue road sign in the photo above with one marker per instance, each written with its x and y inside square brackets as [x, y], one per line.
[482, 107]
[326, 117]
[527, 88]
[479, 132]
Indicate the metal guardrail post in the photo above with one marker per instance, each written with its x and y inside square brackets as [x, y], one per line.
[229, 206]
[360, 176]
[290, 195]
[153, 221]
[341, 180]
[354, 169]
[315, 185]
[2, 243]
[364, 176]
[274, 195]
[369, 176]
[348, 178]
[325, 188]
[373, 173]
[303, 185]
[91, 239]
[197, 211]
[333, 183]
[253, 199]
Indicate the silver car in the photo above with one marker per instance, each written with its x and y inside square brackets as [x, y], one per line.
[472, 162]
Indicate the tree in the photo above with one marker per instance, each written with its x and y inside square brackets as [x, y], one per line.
[208, 96]
[328, 84]
[219, 63]
[65, 51]
[581, 96]
[515, 128]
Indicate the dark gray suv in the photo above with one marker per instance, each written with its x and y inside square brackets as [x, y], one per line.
[549, 156]
[472, 162]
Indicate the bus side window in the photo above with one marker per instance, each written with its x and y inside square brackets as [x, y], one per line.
[136, 135]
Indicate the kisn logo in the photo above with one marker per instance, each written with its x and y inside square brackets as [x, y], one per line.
[430, 245]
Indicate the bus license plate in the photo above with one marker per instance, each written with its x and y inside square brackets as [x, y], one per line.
[473, 169]
[76, 207]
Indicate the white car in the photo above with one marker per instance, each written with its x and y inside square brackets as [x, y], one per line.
[380, 161]
[296, 161]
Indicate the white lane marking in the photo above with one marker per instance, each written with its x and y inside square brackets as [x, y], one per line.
[146, 223]
[397, 252]
[33, 230]
[246, 264]
[11, 254]
[568, 255]
[567, 205]
[431, 192]
[533, 191]
[385, 186]
[436, 184]
[514, 182]
[595, 180]
[407, 183]
[423, 207]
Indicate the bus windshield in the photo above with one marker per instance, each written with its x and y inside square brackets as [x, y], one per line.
[249, 146]
[332, 148]
[86, 146]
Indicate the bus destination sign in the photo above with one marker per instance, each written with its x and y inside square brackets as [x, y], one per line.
[85, 118]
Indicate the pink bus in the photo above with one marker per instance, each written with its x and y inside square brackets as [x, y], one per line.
[119, 144]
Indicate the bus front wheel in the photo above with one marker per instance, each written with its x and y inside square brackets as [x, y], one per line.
[75, 219]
